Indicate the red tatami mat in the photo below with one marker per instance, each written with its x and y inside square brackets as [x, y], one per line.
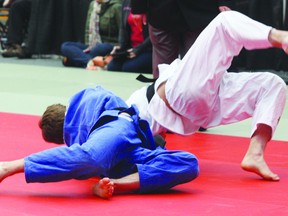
[221, 189]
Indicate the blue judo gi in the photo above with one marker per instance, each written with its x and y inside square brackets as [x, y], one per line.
[102, 142]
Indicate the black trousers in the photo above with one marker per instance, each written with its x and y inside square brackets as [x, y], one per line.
[19, 15]
[169, 45]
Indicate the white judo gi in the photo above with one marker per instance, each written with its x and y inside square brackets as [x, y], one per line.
[203, 94]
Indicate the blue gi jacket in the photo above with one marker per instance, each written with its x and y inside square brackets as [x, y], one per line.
[84, 110]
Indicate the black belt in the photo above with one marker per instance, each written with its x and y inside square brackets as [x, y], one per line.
[150, 90]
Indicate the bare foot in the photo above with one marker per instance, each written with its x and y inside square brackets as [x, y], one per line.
[91, 66]
[257, 164]
[104, 188]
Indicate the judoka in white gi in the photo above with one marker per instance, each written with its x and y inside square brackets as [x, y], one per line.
[197, 91]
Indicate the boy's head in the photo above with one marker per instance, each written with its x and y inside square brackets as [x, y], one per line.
[52, 123]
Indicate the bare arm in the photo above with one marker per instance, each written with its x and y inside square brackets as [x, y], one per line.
[10, 168]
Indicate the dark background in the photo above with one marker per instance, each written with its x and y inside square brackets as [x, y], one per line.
[55, 21]
[269, 12]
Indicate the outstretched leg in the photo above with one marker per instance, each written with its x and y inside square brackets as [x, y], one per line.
[254, 158]
[106, 187]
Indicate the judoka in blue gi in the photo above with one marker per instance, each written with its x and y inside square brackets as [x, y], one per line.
[104, 138]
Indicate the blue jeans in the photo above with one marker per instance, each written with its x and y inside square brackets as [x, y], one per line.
[77, 58]
[141, 63]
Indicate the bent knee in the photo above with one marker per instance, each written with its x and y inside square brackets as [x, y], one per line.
[191, 169]
[194, 170]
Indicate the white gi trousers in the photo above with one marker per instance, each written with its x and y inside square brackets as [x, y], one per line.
[203, 94]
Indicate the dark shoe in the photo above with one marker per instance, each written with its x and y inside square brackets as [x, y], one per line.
[12, 51]
[201, 129]
[65, 61]
[24, 54]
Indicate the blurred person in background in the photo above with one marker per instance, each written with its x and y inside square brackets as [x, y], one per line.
[102, 30]
[174, 25]
[19, 16]
[134, 53]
